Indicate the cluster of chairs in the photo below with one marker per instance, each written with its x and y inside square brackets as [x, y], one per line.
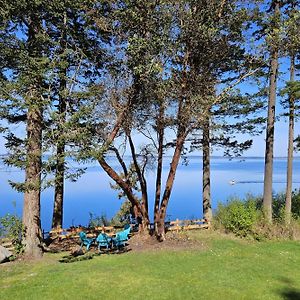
[105, 241]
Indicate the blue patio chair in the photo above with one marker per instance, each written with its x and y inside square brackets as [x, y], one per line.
[85, 241]
[103, 240]
[122, 237]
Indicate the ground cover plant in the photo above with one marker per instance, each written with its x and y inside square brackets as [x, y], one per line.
[245, 218]
[222, 267]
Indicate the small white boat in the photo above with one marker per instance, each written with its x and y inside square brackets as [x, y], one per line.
[232, 182]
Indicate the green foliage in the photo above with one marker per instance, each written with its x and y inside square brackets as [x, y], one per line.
[279, 205]
[96, 221]
[297, 140]
[244, 218]
[238, 216]
[123, 216]
[11, 227]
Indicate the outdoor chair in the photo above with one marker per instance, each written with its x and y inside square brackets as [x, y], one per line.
[122, 237]
[85, 241]
[103, 240]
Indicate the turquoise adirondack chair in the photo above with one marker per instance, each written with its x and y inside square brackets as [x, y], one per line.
[85, 241]
[103, 240]
[122, 237]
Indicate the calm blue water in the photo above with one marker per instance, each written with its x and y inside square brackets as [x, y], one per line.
[92, 192]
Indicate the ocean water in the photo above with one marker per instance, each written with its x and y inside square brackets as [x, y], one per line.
[92, 192]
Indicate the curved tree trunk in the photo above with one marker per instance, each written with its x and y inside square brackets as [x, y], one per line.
[127, 190]
[143, 183]
[160, 233]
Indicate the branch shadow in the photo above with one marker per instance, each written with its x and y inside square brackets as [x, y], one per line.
[289, 292]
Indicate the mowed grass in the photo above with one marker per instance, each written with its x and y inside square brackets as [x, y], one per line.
[225, 269]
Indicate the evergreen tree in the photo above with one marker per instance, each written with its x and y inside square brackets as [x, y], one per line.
[79, 59]
[273, 41]
[24, 84]
[292, 49]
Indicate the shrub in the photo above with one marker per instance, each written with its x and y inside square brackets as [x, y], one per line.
[238, 217]
[245, 218]
[97, 221]
[296, 204]
[11, 227]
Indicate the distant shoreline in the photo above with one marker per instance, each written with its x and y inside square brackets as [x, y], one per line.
[200, 156]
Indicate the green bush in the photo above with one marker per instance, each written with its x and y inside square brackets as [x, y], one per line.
[238, 217]
[121, 218]
[245, 218]
[11, 227]
[97, 221]
[278, 206]
[296, 204]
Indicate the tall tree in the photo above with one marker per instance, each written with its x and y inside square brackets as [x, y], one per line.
[79, 34]
[292, 42]
[24, 82]
[219, 62]
[273, 44]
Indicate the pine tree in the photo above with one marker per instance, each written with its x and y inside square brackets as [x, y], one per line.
[292, 45]
[24, 82]
[79, 58]
[273, 45]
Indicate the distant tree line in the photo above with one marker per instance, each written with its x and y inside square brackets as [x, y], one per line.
[86, 79]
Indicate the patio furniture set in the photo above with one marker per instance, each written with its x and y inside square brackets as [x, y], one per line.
[105, 241]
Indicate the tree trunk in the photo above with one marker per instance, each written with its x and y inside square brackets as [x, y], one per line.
[126, 189]
[288, 200]
[31, 209]
[160, 136]
[143, 183]
[169, 184]
[207, 211]
[268, 173]
[57, 218]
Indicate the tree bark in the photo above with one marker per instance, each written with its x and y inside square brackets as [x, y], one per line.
[207, 211]
[160, 136]
[143, 183]
[169, 184]
[126, 189]
[57, 219]
[268, 173]
[288, 200]
[31, 209]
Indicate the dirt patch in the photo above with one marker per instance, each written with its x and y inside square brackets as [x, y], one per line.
[138, 242]
[174, 241]
[59, 245]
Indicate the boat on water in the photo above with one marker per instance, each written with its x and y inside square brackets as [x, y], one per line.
[232, 182]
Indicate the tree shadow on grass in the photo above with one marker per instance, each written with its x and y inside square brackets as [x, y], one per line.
[289, 292]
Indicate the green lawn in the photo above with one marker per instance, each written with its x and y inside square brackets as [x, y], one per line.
[227, 269]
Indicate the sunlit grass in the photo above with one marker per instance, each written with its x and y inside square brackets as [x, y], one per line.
[226, 269]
